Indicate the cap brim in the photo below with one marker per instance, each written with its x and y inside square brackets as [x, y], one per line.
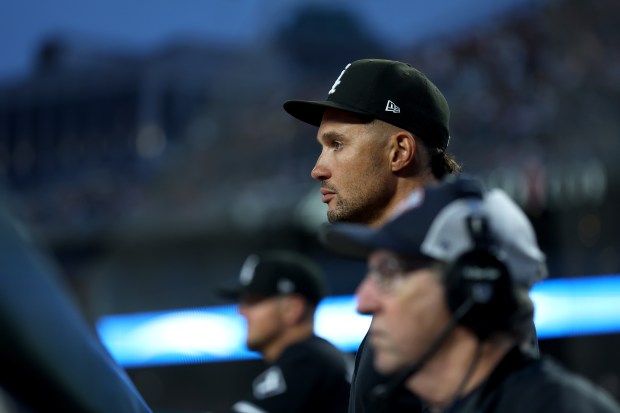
[312, 111]
[358, 241]
[236, 293]
[229, 293]
[349, 240]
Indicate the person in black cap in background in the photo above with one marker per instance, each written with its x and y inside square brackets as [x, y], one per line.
[384, 131]
[451, 271]
[278, 294]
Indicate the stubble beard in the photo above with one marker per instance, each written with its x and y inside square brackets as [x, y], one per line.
[363, 210]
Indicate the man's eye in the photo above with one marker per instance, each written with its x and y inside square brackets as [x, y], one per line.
[337, 145]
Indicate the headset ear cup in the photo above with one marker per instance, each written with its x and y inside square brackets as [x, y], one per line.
[480, 277]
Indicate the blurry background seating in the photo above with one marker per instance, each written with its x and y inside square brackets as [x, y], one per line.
[150, 175]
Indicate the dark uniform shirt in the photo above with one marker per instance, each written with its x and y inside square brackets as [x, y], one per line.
[309, 376]
[525, 383]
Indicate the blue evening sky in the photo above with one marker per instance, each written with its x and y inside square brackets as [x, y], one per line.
[144, 24]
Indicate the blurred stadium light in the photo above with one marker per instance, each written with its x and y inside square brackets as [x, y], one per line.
[564, 308]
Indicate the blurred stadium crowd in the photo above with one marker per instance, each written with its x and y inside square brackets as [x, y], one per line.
[96, 143]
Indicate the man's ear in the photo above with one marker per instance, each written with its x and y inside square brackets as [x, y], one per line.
[295, 309]
[403, 150]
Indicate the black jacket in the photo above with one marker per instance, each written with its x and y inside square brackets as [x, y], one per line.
[310, 376]
[524, 383]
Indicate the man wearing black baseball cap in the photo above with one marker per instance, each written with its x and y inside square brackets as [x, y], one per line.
[391, 91]
[278, 293]
[384, 132]
[450, 273]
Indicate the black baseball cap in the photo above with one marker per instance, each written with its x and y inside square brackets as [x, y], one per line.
[433, 223]
[278, 272]
[391, 91]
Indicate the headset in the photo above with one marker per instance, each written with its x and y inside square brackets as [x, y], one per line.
[479, 290]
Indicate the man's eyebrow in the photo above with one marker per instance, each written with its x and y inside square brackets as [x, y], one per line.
[331, 135]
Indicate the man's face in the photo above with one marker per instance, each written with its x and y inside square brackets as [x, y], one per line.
[354, 169]
[264, 320]
[408, 308]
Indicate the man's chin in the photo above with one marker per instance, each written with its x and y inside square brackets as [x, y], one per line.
[385, 365]
[333, 216]
[338, 215]
[348, 214]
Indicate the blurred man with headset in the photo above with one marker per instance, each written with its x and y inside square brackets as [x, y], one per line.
[448, 283]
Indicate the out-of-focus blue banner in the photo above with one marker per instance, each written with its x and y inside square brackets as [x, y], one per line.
[564, 307]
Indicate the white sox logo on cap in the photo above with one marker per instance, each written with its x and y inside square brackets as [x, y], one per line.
[247, 270]
[337, 82]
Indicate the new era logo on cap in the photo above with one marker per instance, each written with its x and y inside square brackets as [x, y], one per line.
[285, 286]
[371, 87]
[391, 107]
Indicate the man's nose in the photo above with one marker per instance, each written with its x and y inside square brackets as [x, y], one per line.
[367, 296]
[320, 172]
